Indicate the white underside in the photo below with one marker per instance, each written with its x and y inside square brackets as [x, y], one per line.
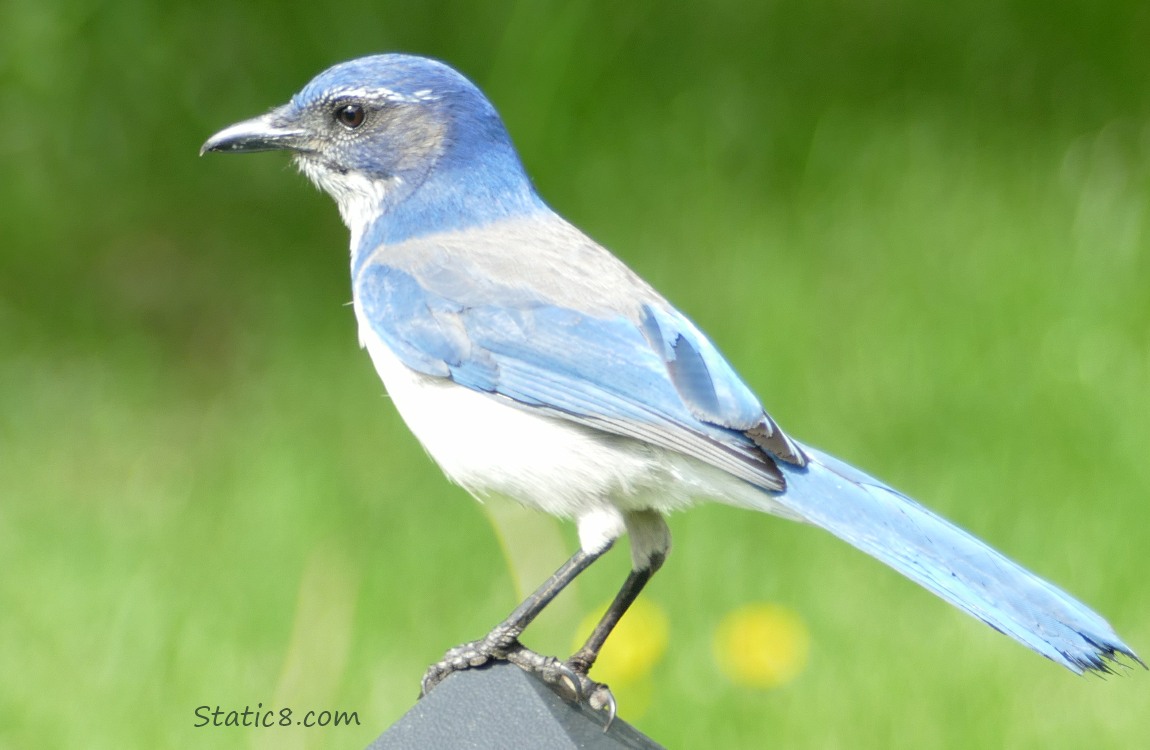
[607, 484]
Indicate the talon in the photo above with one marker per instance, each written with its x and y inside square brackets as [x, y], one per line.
[595, 694]
[572, 678]
[602, 699]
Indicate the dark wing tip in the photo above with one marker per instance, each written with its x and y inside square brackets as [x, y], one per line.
[770, 439]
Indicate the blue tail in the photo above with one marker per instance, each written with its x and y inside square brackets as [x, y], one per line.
[950, 562]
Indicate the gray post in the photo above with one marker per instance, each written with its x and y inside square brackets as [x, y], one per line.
[501, 706]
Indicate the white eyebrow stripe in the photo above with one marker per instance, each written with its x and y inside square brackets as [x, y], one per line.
[379, 92]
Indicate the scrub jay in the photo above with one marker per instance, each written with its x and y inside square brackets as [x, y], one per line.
[530, 361]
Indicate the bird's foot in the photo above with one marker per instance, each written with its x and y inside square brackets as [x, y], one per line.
[466, 656]
[595, 694]
[569, 680]
[566, 678]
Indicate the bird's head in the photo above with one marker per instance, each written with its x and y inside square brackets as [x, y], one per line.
[398, 138]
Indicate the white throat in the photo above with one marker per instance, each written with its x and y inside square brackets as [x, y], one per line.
[359, 198]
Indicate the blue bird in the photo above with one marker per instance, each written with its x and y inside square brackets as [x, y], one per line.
[530, 361]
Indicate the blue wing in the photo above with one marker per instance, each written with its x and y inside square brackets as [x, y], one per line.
[656, 379]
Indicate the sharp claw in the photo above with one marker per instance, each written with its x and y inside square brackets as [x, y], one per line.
[425, 685]
[571, 677]
[601, 698]
[612, 708]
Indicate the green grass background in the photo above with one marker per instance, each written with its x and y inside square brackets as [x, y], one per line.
[918, 230]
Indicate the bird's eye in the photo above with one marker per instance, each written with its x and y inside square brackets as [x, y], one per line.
[351, 116]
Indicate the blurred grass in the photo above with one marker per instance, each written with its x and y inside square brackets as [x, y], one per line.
[919, 233]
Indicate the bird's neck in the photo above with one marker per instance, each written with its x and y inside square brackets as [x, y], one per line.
[458, 192]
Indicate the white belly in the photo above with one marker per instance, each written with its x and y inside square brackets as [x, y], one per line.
[488, 446]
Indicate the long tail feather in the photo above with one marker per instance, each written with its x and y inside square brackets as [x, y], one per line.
[950, 562]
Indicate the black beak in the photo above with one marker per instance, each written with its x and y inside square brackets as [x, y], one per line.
[268, 132]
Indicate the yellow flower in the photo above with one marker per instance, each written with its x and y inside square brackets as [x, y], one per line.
[762, 645]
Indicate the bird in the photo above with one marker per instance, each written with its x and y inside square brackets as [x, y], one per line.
[530, 362]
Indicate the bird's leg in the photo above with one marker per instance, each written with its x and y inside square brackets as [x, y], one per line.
[598, 695]
[503, 640]
[650, 543]
[583, 659]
